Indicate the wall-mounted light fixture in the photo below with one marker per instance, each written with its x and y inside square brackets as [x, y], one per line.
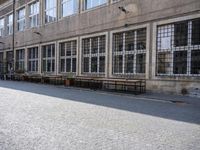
[123, 9]
[38, 33]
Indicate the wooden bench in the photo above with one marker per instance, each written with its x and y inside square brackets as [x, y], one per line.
[119, 85]
[52, 79]
[88, 82]
[125, 85]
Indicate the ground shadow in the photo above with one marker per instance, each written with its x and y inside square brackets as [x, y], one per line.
[185, 113]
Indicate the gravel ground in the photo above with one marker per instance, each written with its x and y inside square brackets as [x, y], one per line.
[45, 117]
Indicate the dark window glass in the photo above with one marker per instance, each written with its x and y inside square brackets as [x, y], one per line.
[62, 62]
[140, 63]
[62, 49]
[86, 64]
[94, 64]
[68, 65]
[180, 34]
[129, 41]
[195, 62]
[102, 64]
[102, 44]
[86, 46]
[118, 42]
[196, 32]
[141, 39]
[94, 48]
[118, 62]
[73, 64]
[129, 63]
[180, 62]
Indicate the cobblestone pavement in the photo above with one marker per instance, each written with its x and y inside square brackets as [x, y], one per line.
[45, 117]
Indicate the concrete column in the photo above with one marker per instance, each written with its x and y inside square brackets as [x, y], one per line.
[107, 55]
[56, 58]
[79, 57]
[40, 59]
[26, 59]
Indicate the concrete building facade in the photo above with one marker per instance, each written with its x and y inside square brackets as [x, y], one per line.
[155, 40]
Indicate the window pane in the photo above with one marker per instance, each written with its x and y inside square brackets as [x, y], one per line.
[102, 44]
[195, 62]
[129, 61]
[86, 64]
[69, 7]
[62, 49]
[180, 34]
[164, 60]
[73, 64]
[94, 64]
[68, 65]
[86, 46]
[140, 63]
[118, 42]
[102, 64]
[180, 62]
[118, 61]
[68, 49]
[129, 41]
[62, 65]
[196, 32]
[141, 39]
[94, 45]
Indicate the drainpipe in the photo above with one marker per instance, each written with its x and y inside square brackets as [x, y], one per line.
[13, 37]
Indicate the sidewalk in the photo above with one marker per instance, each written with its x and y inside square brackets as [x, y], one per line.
[172, 98]
[151, 96]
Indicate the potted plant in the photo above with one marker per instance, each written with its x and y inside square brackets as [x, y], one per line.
[69, 79]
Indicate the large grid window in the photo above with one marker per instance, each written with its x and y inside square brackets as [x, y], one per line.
[88, 4]
[48, 58]
[129, 52]
[2, 22]
[33, 59]
[68, 56]
[10, 24]
[34, 14]
[21, 19]
[178, 48]
[93, 55]
[20, 60]
[50, 10]
[69, 7]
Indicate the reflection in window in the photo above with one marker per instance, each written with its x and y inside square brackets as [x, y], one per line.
[21, 19]
[2, 26]
[34, 14]
[10, 24]
[50, 11]
[69, 7]
[88, 4]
